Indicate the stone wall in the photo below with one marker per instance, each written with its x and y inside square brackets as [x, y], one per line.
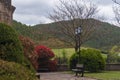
[109, 67]
[6, 11]
[63, 67]
[113, 67]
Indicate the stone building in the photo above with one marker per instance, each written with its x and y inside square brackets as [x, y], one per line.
[6, 12]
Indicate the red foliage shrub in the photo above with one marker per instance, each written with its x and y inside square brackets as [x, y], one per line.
[29, 52]
[28, 45]
[44, 58]
[52, 65]
[44, 52]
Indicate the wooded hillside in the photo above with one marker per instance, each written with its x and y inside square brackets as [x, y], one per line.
[105, 36]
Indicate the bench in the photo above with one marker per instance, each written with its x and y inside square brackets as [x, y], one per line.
[38, 75]
[42, 70]
[79, 69]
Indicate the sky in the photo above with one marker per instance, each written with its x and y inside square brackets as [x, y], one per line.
[33, 12]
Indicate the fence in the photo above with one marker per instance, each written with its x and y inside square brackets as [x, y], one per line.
[109, 67]
[113, 67]
[63, 67]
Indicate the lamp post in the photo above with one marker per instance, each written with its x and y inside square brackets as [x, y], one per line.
[78, 32]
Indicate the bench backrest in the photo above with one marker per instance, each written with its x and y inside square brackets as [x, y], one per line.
[81, 66]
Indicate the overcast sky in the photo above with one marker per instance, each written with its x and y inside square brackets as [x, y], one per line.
[33, 12]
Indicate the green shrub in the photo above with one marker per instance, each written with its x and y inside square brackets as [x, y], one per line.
[10, 47]
[14, 71]
[63, 59]
[91, 58]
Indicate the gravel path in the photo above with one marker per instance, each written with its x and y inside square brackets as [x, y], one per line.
[61, 76]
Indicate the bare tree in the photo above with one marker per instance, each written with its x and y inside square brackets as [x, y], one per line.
[71, 14]
[117, 2]
[116, 10]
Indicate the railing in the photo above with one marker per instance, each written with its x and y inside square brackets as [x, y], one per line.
[113, 67]
[109, 67]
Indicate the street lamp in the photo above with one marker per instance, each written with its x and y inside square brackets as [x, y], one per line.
[78, 32]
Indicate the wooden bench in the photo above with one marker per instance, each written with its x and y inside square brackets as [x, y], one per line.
[43, 70]
[38, 75]
[79, 69]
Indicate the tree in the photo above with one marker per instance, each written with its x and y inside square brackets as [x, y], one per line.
[72, 14]
[116, 10]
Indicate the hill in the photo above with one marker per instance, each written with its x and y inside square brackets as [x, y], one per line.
[105, 36]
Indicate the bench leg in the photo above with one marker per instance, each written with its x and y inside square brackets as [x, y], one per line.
[76, 74]
[82, 74]
[38, 76]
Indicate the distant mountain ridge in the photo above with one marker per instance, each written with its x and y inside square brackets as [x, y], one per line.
[103, 38]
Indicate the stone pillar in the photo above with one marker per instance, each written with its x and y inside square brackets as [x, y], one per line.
[6, 12]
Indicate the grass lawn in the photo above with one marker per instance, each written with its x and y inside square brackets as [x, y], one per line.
[107, 75]
[104, 56]
[69, 52]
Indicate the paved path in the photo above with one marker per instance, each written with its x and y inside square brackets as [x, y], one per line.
[61, 76]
